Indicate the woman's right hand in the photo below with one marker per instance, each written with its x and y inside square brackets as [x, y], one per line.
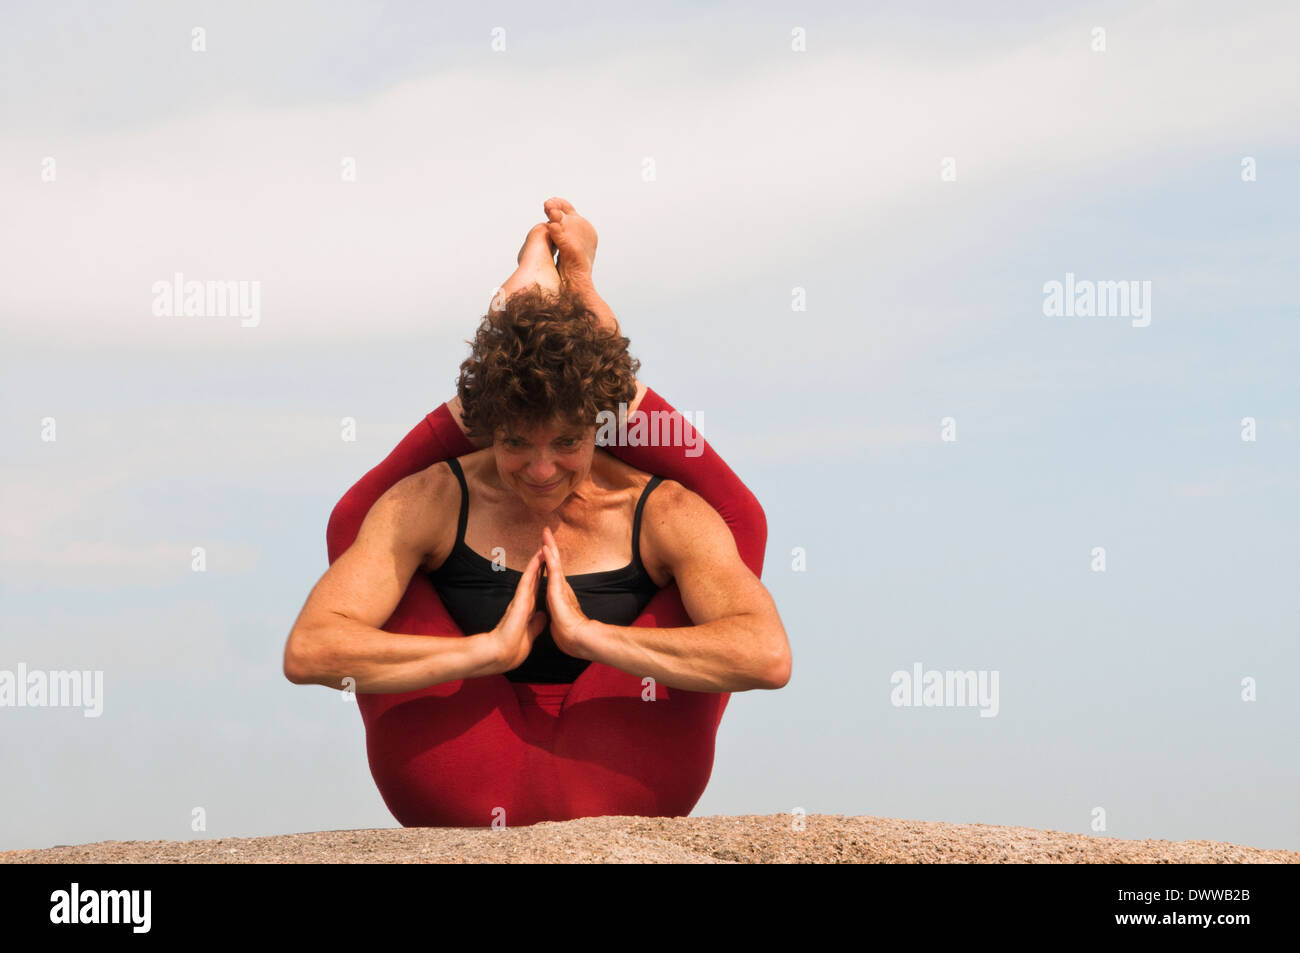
[513, 637]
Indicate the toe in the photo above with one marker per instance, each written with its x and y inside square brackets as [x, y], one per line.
[557, 208]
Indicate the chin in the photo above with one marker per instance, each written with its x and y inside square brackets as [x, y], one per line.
[556, 494]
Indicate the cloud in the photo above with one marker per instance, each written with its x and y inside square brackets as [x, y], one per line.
[67, 524]
[1201, 489]
[111, 563]
[794, 152]
[86, 504]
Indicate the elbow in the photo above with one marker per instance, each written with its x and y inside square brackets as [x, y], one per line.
[779, 661]
[778, 674]
[767, 661]
[297, 667]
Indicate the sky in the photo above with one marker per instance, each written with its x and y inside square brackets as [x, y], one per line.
[826, 228]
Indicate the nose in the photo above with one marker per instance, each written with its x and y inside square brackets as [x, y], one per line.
[541, 471]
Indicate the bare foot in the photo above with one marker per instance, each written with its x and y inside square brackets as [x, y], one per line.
[574, 237]
[530, 250]
[536, 265]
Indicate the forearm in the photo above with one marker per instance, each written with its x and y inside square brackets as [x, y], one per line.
[327, 652]
[718, 656]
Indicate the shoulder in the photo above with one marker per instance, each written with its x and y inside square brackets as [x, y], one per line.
[418, 508]
[425, 486]
[670, 505]
[678, 525]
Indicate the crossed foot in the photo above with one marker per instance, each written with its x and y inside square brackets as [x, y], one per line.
[565, 234]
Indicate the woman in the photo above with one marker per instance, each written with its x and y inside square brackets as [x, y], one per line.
[555, 698]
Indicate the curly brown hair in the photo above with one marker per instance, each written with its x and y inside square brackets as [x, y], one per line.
[543, 357]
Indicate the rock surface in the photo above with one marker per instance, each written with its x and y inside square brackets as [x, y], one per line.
[746, 839]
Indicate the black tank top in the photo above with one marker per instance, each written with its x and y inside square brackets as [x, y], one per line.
[476, 595]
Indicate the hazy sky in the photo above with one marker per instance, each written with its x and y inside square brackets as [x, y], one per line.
[920, 173]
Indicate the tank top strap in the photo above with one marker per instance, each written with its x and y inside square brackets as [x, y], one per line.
[464, 499]
[636, 522]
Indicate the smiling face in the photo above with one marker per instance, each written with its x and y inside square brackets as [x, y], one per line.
[545, 465]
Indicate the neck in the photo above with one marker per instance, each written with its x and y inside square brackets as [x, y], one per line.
[519, 510]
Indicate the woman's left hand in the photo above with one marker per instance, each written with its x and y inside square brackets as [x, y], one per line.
[568, 623]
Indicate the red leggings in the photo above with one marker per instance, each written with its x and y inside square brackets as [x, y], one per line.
[471, 752]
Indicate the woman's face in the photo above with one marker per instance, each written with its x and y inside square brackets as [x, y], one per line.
[546, 465]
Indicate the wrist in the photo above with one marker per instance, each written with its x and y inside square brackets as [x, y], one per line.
[483, 655]
[589, 638]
